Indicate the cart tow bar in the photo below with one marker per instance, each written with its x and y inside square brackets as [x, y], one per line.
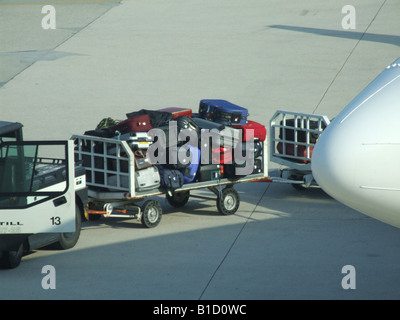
[108, 208]
[139, 214]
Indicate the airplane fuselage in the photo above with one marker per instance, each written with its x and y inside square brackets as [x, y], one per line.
[357, 158]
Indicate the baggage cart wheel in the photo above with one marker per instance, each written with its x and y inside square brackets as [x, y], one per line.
[228, 201]
[93, 217]
[178, 199]
[151, 213]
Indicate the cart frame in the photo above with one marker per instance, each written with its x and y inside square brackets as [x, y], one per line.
[297, 169]
[110, 177]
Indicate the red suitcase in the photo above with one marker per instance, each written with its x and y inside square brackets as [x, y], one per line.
[140, 123]
[259, 130]
[301, 151]
[178, 112]
[222, 155]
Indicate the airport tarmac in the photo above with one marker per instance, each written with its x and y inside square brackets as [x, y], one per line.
[108, 58]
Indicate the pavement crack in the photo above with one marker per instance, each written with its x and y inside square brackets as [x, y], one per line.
[348, 57]
[234, 242]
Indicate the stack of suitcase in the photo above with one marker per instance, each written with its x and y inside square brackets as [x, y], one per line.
[219, 125]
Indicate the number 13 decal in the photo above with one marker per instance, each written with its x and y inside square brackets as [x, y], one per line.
[55, 221]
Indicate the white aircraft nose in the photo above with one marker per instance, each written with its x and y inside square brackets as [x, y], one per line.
[356, 159]
[334, 164]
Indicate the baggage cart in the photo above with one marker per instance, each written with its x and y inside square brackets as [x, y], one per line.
[110, 177]
[292, 136]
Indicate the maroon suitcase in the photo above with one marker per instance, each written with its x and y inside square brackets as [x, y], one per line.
[140, 123]
[222, 155]
[301, 151]
[178, 112]
[259, 130]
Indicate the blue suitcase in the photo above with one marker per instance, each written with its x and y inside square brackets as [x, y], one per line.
[223, 111]
[189, 173]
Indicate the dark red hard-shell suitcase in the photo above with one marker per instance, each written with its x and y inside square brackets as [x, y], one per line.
[222, 155]
[301, 152]
[139, 123]
[259, 130]
[178, 112]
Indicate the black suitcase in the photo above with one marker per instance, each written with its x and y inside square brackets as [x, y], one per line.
[157, 118]
[223, 111]
[176, 157]
[102, 133]
[209, 172]
[257, 149]
[184, 122]
[172, 130]
[219, 134]
[163, 136]
[170, 179]
[258, 168]
[192, 130]
[230, 169]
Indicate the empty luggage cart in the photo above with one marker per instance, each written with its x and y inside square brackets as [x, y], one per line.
[292, 137]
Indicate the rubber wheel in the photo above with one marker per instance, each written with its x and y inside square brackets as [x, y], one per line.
[228, 201]
[297, 186]
[93, 217]
[11, 259]
[68, 240]
[178, 199]
[151, 213]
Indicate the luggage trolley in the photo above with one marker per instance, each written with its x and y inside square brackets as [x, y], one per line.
[110, 177]
[292, 137]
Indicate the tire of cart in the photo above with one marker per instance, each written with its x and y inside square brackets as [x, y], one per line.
[11, 259]
[297, 186]
[178, 199]
[228, 201]
[151, 213]
[94, 217]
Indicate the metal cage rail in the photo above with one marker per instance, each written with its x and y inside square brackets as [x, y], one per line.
[293, 136]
